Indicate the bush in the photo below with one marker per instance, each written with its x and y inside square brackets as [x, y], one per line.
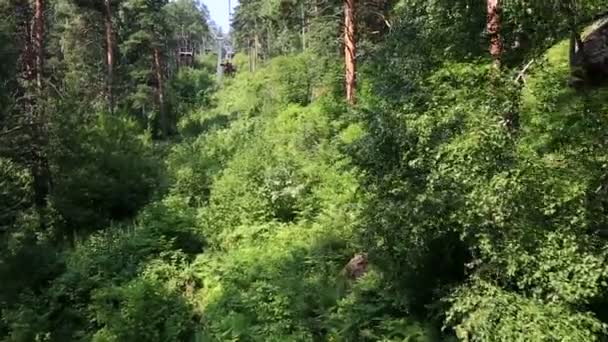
[274, 283]
[368, 312]
[142, 310]
[103, 171]
[15, 192]
[192, 88]
[457, 193]
[484, 312]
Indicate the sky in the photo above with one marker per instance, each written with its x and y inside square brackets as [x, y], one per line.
[219, 12]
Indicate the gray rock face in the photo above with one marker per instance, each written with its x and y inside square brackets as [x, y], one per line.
[590, 63]
[596, 43]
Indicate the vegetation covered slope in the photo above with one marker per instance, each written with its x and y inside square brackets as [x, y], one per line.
[281, 213]
[485, 223]
[477, 194]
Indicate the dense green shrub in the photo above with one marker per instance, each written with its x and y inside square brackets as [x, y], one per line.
[142, 310]
[192, 88]
[15, 192]
[457, 192]
[105, 170]
[111, 283]
[292, 171]
[278, 206]
[369, 313]
[274, 282]
[477, 194]
[484, 312]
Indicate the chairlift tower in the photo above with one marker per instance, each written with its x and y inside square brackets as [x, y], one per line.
[220, 48]
[186, 50]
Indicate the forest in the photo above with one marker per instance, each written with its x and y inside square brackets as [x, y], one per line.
[364, 170]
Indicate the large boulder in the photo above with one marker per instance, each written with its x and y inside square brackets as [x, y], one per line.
[589, 63]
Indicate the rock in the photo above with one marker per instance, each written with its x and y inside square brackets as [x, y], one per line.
[590, 64]
[356, 267]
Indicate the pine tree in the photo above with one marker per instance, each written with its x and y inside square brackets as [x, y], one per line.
[350, 50]
[145, 49]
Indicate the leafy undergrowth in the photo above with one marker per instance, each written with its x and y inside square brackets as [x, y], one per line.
[480, 202]
[281, 213]
[260, 215]
[487, 200]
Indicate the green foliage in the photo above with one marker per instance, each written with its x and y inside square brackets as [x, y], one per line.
[188, 19]
[364, 314]
[277, 202]
[105, 170]
[489, 313]
[272, 283]
[15, 191]
[9, 60]
[284, 174]
[142, 310]
[457, 192]
[192, 88]
[125, 283]
[478, 195]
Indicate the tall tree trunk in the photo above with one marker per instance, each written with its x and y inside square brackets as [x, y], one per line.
[268, 42]
[303, 27]
[39, 40]
[494, 26]
[249, 55]
[350, 50]
[31, 29]
[39, 136]
[578, 55]
[160, 91]
[256, 44]
[41, 171]
[109, 53]
[24, 19]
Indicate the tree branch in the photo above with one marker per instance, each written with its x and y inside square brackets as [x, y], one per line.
[522, 74]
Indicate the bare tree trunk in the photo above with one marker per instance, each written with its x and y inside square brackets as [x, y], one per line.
[250, 48]
[577, 47]
[109, 53]
[494, 26]
[160, 91]
[350, 50]
[303, 27]
[268, 43]
[256, 44]
[39, 40]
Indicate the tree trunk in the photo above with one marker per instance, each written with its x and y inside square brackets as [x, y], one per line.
[256, 44]
[109, 53]
[24, 19]
[494, 26]
[41, 172]
[303, 27]
[350, 50]
[250, 46]
[39, 40]
[578, 54]
[160, 91]
[268, 42]
[40, 167]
